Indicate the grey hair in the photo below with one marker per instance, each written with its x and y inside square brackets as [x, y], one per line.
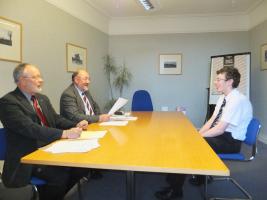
[18, 71]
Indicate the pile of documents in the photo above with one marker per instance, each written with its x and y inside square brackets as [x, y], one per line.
[86, 142]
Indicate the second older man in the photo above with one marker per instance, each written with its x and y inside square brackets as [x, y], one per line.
[76, 102]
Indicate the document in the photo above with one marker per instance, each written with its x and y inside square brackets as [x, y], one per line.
[92, 135]
[122, 118]
[114, 123]
[117, 105]
[72, 146]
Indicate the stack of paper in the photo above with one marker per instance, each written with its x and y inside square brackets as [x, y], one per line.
[114, 123]
[92, 134]
[65, 146]
[122, 118]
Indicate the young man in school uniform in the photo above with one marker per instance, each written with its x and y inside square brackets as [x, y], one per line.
[224, 131]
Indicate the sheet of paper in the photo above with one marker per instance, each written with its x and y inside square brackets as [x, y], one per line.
[117, 105]
[92, 134]
[114, 123]
[67, 146]
[122, 118]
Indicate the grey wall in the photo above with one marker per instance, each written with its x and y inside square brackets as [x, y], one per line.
[46, 30]
[258, 77]
[141, 55]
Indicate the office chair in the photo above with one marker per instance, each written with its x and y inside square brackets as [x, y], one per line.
[34, 180]
[142, 101]
[251, 140]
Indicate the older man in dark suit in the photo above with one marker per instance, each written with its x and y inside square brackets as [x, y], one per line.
[31, 122]
[76, 102]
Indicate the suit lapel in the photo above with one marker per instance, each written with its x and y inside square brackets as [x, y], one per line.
[24, 101]
[79, 99]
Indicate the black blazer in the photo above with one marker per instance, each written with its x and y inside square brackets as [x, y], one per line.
[24, 133]
[72, 106]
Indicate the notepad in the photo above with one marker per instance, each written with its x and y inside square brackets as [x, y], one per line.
[72, 146]
[122, 118]
[114, 123]
[92, 134]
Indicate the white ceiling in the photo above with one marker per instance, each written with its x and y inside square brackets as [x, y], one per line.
[124, 17]
[131, 8]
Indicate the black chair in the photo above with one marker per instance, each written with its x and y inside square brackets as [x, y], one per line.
[142, 101]
[251, 141]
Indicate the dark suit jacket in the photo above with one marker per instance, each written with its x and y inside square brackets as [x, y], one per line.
[72, 106]
[24, 133]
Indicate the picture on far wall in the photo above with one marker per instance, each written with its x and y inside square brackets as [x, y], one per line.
[264, 57]
[76, 57]
[10, 40]
[170, 63]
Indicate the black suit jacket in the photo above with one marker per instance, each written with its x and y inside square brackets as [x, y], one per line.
[24, 133]
[72, 106]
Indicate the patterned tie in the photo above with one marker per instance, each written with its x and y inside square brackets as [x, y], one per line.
[39, 111]
[219, 114]
[88, 105]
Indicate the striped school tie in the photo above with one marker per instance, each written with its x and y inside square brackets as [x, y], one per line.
[219, 114]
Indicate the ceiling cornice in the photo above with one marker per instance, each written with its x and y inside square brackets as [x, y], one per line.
[197, 23]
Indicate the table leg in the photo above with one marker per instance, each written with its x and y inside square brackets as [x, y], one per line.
[130, 185]
[206, 188]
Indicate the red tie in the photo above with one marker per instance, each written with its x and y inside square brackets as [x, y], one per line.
[89, 107]
[39, 111]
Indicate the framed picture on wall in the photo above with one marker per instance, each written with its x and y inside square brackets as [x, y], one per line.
[170, 63]
[10, 40]
[264, 57]
[76, 57]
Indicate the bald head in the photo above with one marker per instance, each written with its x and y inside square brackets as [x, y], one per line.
[81, 79]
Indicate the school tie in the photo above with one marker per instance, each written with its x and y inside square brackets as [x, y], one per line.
[39, 111]
[88, 105]
[219, 114]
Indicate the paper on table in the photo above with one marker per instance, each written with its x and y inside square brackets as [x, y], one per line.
[122, 118]
[64, 146]
[92, 134]
[114, 123]
[117, 105]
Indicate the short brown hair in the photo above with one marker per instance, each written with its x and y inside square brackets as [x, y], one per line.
[230, 73]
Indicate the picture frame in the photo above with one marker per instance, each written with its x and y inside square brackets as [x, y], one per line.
[264, 56]
[170, 64]
[76, 57]
[10, 40]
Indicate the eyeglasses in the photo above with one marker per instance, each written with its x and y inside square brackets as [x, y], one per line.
[220, 79]
[33, 77]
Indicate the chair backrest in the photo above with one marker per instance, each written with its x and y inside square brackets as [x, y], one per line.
[2, 144]
[142, 101]
[252, 132]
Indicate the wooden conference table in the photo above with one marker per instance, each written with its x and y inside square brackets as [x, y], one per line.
[164, 142]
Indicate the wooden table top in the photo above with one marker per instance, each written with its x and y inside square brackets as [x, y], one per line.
[155, 142]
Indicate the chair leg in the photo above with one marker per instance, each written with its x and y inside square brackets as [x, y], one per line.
[80, 190]
[35, 195]
[248, 196]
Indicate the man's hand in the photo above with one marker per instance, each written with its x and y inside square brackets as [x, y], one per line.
[82, 124]
[72, 133]
[104, 117]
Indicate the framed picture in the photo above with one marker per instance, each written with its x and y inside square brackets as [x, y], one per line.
[10, 40]
[170, 64]
[76, 57]
[264, 57]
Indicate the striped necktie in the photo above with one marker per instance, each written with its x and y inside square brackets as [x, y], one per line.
[38, 111]
[88, 105]
[219, 114]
